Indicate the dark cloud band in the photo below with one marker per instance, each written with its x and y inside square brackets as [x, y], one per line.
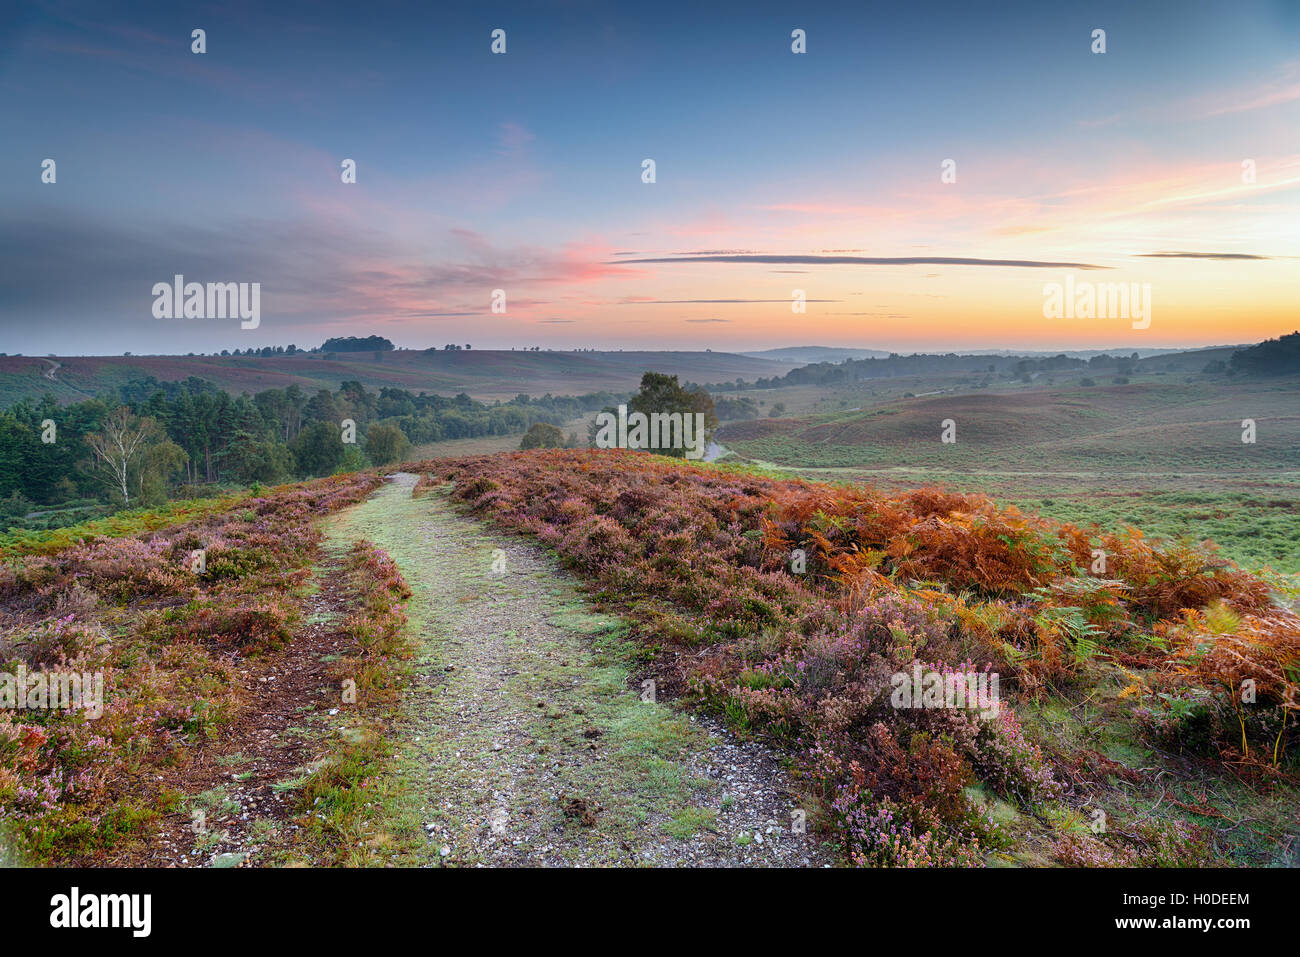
[865, 261]
[1182, 255]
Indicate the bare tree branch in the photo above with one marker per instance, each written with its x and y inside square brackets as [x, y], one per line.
[117, 445]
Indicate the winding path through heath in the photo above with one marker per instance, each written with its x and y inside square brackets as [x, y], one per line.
[524, 739]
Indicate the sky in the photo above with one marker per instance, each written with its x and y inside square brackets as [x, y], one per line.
[775, 173]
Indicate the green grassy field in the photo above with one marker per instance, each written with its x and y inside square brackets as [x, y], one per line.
[484, 445]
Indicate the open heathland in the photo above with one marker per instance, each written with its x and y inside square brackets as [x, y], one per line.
[789, 609]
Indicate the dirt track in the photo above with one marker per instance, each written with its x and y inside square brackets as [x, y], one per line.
[525, 740]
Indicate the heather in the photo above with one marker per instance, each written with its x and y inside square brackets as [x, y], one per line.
[337, 800]
[785, 606]
[166, 616]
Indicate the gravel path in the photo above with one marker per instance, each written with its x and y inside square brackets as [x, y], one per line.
[526, 741]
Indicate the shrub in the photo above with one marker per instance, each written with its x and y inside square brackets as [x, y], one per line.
[71, 787]
[704, 560]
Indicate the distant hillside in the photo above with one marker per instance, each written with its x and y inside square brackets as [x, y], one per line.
[1167, 425]
[848, 371]
[492, 374]
[1089, 353]
[485, 374]
[809, 354]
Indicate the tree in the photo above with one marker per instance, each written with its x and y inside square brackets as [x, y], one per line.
[734, 409]
[116, 447]
[322, 407]
[353, 460]
[318, 448]
[542, 436]
[14, 509]
[20, 447]
[386, 443]
[158, 465]
[250, 459]
[662, 393]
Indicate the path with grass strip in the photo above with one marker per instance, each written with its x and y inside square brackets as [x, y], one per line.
[524, 739]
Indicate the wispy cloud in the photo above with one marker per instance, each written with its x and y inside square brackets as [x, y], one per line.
[1280, 88]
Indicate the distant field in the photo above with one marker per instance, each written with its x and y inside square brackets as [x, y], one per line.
[483, 374]
[1159, 453]
[1146, 425]
[455, 448]
[485, 445]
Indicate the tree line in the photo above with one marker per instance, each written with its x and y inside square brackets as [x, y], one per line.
[855, 370]
[147, 440]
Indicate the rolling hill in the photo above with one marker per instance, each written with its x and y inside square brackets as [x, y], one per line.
[1147, 425]
[486, 374]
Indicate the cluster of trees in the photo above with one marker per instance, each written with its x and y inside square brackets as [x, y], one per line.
[357, 344]
[1280, 356]
[542, 435]
[139, 443]
[854, 370]
[375, 344]
[435, 418]
[735, 410]
[658, 393]
[264, 352]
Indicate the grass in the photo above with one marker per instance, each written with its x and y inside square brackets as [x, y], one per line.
[336, 800]
[484, 445]
[336, 797]
[70, 831]
[1248, 820]
[592, 737]
[1255, 528]
[688, 822]
[135, 521]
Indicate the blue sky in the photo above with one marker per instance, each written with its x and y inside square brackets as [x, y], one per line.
[522, 171]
